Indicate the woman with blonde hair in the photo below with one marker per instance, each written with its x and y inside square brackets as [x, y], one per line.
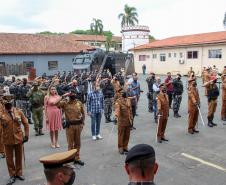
[53, 115]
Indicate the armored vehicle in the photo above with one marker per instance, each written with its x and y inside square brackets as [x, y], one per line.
[100, 60]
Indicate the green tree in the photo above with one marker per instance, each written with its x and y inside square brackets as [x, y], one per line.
[224, 21]
[97, 26]
[129, 17]
[108, 41]
[152, 38]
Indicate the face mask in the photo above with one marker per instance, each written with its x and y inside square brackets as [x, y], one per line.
[164, 90]
[8, 106]
[73, 97]
[124, 95]
[71, 180]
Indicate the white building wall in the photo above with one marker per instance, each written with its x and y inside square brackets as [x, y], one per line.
[173, 65]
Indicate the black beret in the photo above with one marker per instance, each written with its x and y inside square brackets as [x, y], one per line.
[140, 151]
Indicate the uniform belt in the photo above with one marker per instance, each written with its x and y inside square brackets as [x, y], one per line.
[75, 122]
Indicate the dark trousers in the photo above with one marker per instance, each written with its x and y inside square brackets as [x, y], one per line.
[95, 123]
[170, 96]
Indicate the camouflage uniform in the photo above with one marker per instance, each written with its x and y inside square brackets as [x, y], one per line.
[177, 96]
[108, 92]
[23, 102]
[150, 81]
[36, 98]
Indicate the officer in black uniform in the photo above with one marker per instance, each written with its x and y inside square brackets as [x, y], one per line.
[177, 95]
[23, 102]
[140, 165]
[108, 92]
[77, 88]
[150, 81]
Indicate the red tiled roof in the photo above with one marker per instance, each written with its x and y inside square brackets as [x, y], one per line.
[98, 38]
[14, 43]
[197, 39]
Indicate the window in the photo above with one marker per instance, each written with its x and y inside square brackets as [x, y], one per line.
[28, 65]
[175, 55]
[162, 57]
[215, 53]
[181, 55]
[169, 55]
[143, 57]
[52, 65]
[192, 54]
[154, 56]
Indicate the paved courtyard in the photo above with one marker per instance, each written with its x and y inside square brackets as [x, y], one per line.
[207, 151]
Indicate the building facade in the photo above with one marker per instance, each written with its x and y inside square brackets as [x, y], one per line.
[178, 54]
[46, 53]
[133, 36]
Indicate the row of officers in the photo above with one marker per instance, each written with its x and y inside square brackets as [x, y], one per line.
[12, 118]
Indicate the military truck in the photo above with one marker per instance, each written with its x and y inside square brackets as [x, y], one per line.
[100, 60]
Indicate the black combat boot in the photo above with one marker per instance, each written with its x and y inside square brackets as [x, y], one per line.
[40, 132]
[209, 122]
[176, 115]
[214, 124]
[106, 119]
[36, 132]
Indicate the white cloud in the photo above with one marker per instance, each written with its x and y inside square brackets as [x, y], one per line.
[164, 17]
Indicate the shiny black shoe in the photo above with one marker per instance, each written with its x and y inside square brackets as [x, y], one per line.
[214, 124]
[21, 178]
[79, 162]
[125, 151]
[210, 124]
[2, 156]
[11, 180]
[195, 131]
[159, 141]
[164, 139]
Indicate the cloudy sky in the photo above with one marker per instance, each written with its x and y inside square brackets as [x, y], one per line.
[165, 18]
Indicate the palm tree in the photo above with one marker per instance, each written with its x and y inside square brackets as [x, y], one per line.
[129, 17]
[97, 26]
[224, 21]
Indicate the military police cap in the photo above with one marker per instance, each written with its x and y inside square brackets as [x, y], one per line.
[140, 151]
[58, 159]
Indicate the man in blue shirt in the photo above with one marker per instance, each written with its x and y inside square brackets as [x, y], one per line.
[95, 107]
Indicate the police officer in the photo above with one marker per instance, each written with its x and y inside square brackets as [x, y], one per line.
[212, 94]
[2, 150]
[177, 95]
[75, 120]
[163, 113]
[108, 92]
[23, 102]
[123, 114]
[223, 108]
[77, 88]
[140, 165]
[193, 104]
[155, 94]
[150, 81]
[57, 169]
[11, 119]
[36, 99]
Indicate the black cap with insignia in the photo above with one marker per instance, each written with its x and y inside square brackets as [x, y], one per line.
[140, 151]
